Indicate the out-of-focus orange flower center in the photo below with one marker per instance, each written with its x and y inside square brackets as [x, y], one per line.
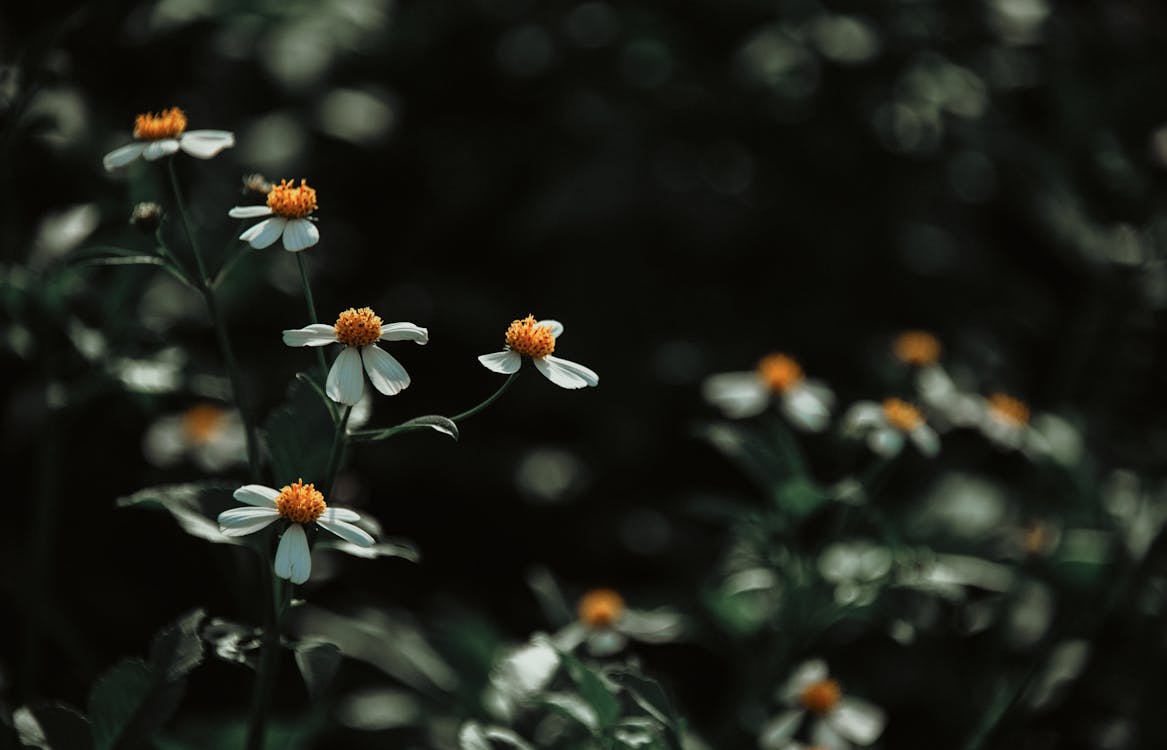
[902, 415]
[820, 697]
[358, 327]
[201, 422]
[154, 127]
[292, 202]
[1038, 538]
[918, 348]
[779, 372]
[300, 503]
[1010, 410]
[600, 608]
[530, 340]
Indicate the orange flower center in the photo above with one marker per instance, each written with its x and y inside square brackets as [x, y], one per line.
[529, 339]
[358, 327]
[917, 348]
[1037, 538]
[300, 503]
[1008, 409]
[779, 372]
[200, 423]
[600, 608]
[902, 415]
[154, 127]
[292, 202]
[820, 697]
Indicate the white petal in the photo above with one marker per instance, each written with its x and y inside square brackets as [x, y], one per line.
[317, 334]
[249, 212]
[857, 720]
[651, 626]
[257, 494]
[863, 415]
[738, 394]
[926, 440]
[886, 441]
[385, 372]
[347, 532]
[777, 732]
[340, 514]
[823, 735]
[555, 326]
[346, 382]
[566, 374]
[300, 234]
[806, 409]
[157, 149]
[805, 675]
[203, 144]
[265, 232]
[404, 332]
[293, 559]
[244, 521]
[505, 362]
[122, 156]
[605, 642]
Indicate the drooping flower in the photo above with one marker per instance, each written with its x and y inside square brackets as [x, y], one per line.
[289, 215]
[359, 330]
[886, 426]
[806, 403]
[210, 435]
[536, 339]
[605, 624]
[839, 721]
[162, 134]
[298, 504]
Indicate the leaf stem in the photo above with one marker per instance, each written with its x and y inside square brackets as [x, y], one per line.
[311, 302]
[268, 657]
[339, 443]
[494, 397]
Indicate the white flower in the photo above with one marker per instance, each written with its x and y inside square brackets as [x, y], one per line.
[358, 330]
[605, 624]
[164, 134]
[299, 504]
[536, 339]
[289, 210]
[1006, 421]
[886, 425]
[806, 403]
[213, 437]
[840, 721]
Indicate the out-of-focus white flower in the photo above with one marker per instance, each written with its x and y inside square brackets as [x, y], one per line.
[886, 426]
[289, 215]
[210, 435]
[806, 403]
[857, 569]
[165, 133]
[606, 624]
[521, 673]
[359, 330]
[839, 721]
[537, 339]
[1006, 421]
[299, 504]
[917, 348]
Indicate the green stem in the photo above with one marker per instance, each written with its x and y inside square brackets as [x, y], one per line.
[339, 443]
[471, 412]
[311, 312]
[204, 279]
[268, 657]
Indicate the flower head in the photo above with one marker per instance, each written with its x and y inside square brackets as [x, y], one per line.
[210, 435]
[1008, 421]
[778, 377]
[917, 348]
[605, 623]
[359, 330]
[289, 215]
[839, 721]
[887, 424]
[600, 608]
[164, 133]
[298, 504]
[528, 337]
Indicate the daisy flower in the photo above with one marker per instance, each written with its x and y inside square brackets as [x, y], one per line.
[163, 134]
[605, 624]
[886, 425]
[916, 348]
[1006, 421]
[536, 339]
[211, 436]
[839, 721]
[359, 330]
[299, 504]
[807, 403]
[289, 210]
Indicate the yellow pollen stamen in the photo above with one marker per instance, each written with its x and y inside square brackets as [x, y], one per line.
[1008, 409]
[1037, 538]
[154, 127]
[820, 697]
[779, 372]
[292, 202]
[530, 340]
[918, 348]
[200, 423]
[358, 327]
[902, 415]
[600, 608]
[300, 503]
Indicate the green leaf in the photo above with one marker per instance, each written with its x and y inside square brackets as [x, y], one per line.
[650, 696]
[298, 436]
[441, 424]
[799, 497]
[178, 649]
[116, 699]
[233, 642]
[52, 727]
[194, 506]
[593, 689]
[402, 549]
[318, 663]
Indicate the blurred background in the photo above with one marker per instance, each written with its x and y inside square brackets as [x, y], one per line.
[687, 186]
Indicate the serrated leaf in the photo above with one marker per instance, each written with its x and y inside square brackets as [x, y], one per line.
[52, 727]
[593, 689]
[178, 649]
[298, 436]
[193, 506]
[318, 663]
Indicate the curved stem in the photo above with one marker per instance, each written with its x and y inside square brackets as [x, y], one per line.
[311, 312]
[339, 443]
[494, 397]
